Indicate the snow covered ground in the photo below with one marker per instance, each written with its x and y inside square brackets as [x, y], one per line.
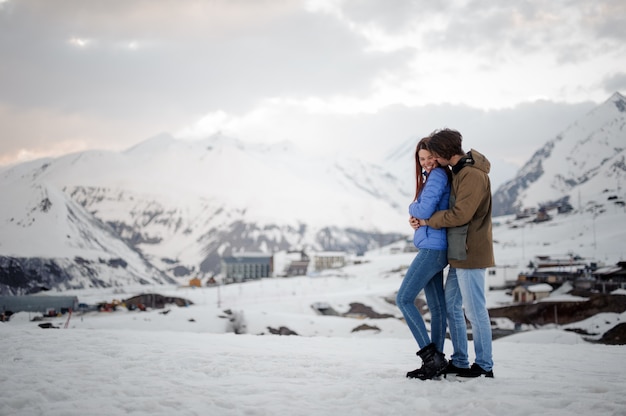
[185, 362]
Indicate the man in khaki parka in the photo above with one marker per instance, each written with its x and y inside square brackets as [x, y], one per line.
[470, 251]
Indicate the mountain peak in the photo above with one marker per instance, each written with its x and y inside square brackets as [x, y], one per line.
[619, 101]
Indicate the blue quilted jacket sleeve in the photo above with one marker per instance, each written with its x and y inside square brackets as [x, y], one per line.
[435, 194]
[434, 197]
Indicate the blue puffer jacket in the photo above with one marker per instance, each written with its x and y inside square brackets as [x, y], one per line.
[434, 197]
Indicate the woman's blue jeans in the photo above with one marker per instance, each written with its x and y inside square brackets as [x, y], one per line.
[425, 272]
[465, 288]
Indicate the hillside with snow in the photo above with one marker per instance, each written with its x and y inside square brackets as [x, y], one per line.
[55, 241]
[581, 165]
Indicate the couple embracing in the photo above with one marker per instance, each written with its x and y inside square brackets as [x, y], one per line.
[451, 216]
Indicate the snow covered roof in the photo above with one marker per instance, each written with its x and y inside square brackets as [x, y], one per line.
[250, 257]
[541, 287]
[607, 270]
[329, 254]
[563, 269]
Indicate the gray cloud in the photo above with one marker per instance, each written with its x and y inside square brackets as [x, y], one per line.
[486, 25]
[606, 19]
[146, 66]
[178, 67]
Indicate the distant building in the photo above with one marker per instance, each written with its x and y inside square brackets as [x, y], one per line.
[525, 213]
[506, 274]
[542, 215]
[38, 303]
[247, 266]
[610, 278]
[558, 270]
[329, 260]
[531, 293]
[564, 208]
[298, 268]
[291, 263]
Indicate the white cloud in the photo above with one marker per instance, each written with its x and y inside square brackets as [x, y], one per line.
[79, 42]
[217, 121]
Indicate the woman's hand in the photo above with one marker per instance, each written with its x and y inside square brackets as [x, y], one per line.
[414, 222]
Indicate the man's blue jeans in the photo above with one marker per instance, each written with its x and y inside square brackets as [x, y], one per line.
[465, 288]
[425, 272]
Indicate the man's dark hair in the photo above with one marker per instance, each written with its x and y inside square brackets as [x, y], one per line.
[445, 143]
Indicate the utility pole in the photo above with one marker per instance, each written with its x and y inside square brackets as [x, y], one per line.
[556, 316]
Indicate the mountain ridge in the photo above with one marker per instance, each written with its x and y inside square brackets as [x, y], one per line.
[586, 157]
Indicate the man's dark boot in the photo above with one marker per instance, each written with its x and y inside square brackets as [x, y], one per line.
[453, 369]
[476, 371]
[433, 363]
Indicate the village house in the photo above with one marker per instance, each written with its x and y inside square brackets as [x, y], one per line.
[291, 263]
[295, 263]
[505, 273]
[247, 266]
[195, 282]
[531, 293]
[557, 270]
[542, 215]
[298, 266]
[610, 278]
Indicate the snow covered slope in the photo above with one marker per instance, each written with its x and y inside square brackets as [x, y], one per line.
[48, 240]
[580, 164]
[182, 205]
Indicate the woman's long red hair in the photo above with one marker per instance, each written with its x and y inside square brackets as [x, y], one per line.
[419, 176]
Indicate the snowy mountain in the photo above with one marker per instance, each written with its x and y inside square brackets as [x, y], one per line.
[168, 209]
[48, 240]
[583, 165]
[177, 207]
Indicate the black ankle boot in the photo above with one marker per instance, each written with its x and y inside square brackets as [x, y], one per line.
[433, 363]
[476, 371]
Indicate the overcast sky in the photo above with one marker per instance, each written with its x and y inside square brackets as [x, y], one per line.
[350, 76]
